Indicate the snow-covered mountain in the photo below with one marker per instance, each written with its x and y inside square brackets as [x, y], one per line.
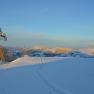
[59, 52]
[82, 54]
[73, 53]
[52, 50]
[89, 50]
[14, 53]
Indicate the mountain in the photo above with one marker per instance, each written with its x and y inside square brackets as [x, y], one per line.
[89, 50]
[81, 54]
[52, 50]
[12, 53]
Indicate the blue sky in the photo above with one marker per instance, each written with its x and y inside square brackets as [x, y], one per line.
[53, 23]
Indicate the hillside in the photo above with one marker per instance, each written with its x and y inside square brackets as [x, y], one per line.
[70, 76]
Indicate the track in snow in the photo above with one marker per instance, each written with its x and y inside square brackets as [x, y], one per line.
[52, 87]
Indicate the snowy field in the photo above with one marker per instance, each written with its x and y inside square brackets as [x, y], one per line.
[61, 76]
[27, 60]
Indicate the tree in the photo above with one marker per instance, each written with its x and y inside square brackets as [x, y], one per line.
[3, 35]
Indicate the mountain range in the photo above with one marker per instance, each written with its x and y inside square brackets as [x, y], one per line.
[13, 53]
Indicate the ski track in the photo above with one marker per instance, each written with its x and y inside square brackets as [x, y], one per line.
[53, 88]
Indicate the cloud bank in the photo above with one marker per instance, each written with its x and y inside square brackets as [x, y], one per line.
[23, 38]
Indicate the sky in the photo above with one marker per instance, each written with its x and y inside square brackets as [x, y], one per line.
[52, 23]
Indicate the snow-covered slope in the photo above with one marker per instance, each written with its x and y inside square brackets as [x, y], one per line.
[70, 76]
[27, 60]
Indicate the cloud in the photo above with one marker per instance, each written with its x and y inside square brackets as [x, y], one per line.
[19, 36]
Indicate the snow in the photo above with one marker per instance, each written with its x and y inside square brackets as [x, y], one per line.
[81, 54]
[63, 76]
[89, 50]
[27, 60]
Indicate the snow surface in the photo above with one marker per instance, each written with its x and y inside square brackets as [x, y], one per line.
[27, 60]
[69, 76]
